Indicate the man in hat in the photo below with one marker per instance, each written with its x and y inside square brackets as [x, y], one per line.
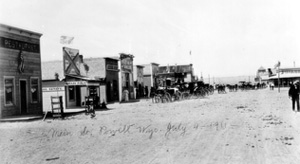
[294, 94]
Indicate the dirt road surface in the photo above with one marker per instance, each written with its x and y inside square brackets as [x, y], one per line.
[252, 127]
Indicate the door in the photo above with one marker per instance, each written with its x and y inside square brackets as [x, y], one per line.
[115, 90]
[78, 96]
[108, 91]
[23, 96]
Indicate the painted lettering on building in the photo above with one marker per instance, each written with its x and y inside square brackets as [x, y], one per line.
[76, 83]
[53, 89]
[127, 64]
[19, 45]
[82, 83]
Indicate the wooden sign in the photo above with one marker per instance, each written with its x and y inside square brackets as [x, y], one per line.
[80, 83]
[76, 83]
[19, 45]
[71, 61]
[53, 89]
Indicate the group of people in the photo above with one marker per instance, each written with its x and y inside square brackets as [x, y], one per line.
[294, 95]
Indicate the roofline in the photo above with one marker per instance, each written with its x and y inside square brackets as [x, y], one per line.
[154, 63]
[176, 65]
[140, 66]
[20, 29]
[111, 58]
[150, 64]
[290, 68]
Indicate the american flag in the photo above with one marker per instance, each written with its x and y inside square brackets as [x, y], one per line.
[66, 39]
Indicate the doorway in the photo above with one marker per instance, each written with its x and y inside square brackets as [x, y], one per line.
[23, 96]
[78, 96]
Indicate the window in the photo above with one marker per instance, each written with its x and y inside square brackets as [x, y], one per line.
[72, 93]
[9, 85]
[112, 67]
[34, 83]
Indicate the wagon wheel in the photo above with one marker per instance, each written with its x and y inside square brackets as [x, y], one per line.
[168, 97]
[156, 98]
[198, 94]
[178, 95]
[185, 96]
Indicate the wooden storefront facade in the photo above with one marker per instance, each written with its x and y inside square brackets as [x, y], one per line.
[20, 75]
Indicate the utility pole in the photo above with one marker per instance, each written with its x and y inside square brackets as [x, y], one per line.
[279, 78]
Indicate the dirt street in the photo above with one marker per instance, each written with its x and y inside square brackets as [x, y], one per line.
[238, 127]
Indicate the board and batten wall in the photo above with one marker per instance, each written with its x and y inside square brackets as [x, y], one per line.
[14, 41]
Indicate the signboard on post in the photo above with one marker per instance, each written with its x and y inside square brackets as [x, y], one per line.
[71, 61]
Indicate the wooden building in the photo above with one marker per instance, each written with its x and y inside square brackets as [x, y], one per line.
[70, 79]
[126, 86]
[138, 78]
[106, 68]
[169, 75]
[149, 73]
[285, 76]
[20, 75]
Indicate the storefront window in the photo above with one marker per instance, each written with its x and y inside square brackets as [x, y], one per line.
[9, 91]
[71, 93]
[34, 90]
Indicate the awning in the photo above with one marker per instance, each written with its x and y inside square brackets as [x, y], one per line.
[286, 75]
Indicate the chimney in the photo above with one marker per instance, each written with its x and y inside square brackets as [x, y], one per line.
[81, 58]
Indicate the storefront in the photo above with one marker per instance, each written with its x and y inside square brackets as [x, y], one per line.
[138, 77]
[74, 85]
[20, 65]
[107, 69]
[78, 88]
[285, 77]
[126, 76]
[73, 91]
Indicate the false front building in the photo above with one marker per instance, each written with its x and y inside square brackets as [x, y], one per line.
[70, 79]
[20, 75]
[176, 74]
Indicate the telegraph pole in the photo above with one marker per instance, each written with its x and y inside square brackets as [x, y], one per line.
[278, 78]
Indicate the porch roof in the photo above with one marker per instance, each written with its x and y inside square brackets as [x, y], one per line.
[286, 75]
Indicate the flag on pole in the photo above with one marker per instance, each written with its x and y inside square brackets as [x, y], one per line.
[66, 39]
[277, 64]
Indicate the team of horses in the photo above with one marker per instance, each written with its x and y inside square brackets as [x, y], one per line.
[180, 91]
[185, 91]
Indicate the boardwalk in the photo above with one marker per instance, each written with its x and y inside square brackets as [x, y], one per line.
[237, 127]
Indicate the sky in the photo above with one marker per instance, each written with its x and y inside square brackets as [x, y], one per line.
[219, 37]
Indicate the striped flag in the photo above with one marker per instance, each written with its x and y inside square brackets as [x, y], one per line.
[66, 39]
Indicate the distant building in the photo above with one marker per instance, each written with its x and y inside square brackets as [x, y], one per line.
[20, 72]
[150, 71]
[263, 75]
[138, 78]
[169, 75]
[286, 76]
[126, 75]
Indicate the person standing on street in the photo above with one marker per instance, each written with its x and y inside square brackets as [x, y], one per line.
[294, 95]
